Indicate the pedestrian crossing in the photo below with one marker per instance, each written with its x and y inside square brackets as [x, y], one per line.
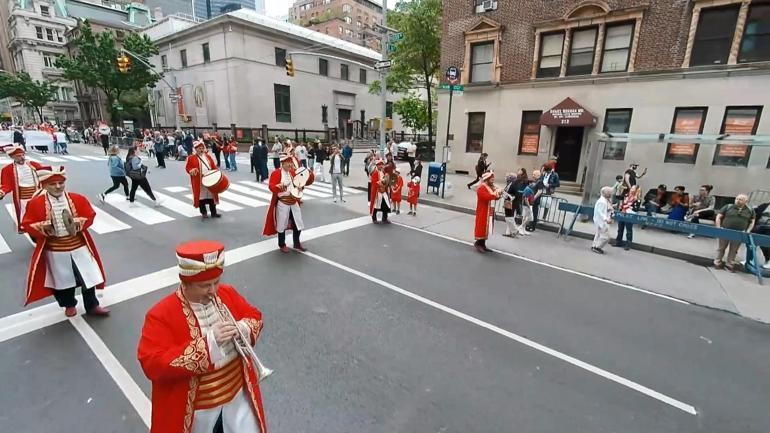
[173, 203]
[57, 158]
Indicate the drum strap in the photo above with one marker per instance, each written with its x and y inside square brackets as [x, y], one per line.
[205, 164]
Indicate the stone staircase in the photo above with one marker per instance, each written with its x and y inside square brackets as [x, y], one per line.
[568, 187]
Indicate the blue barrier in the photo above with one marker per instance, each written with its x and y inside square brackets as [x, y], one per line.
[752, 240]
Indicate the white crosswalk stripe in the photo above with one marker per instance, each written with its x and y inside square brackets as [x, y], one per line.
[181, 207]
[252, 192]
[51, 158]
[4, 248]
[223, 205]
[95, 158]
[175, 189]
[242, 199]
[308, 193]
[106, 223]
[12, 212]
[73, 158]
[137, 210]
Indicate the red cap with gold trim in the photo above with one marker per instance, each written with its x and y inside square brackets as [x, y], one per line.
[48, 175]
[200, 260]
[15, 150]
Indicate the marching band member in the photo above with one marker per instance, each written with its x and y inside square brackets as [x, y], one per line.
[486, 195]
[285, 211]
[398, 189]
[65, 255]
[21, 179]
[197, 165]
[380, 193]
[202, 382]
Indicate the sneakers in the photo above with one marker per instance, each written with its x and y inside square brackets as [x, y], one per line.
[101, 198]
[766, 265]
[156, 203]
[597, 250]
[691, 236]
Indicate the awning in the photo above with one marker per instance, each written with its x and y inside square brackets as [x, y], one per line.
[568, 113]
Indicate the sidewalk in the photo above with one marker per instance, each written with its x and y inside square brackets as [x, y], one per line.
[666, 274]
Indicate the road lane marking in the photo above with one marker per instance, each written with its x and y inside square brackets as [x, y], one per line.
[73, 158]
[552, 266]
[4, 248]
[32, 319]
[51, 158]
[222, 205]
[12, 212]
[125, 382]
[515, 337]
[309, 193]
[137, 210]
[29, 158]
[242, 199]
[174, 205]
[106, 223]
[175, 189]
[252, 192]
[95, 158]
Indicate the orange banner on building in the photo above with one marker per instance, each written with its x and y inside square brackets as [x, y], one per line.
[530, 143]
[681, 149]
[733, 150]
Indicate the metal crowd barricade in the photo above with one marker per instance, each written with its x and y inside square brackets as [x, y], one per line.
[550, 211]
[758, 197]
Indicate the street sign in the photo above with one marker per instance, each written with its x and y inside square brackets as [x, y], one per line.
[383, 64]
[452, 74]
[456, 87]
[395, 37]
[391, 48]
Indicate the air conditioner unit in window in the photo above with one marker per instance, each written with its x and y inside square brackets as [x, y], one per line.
[488, 5]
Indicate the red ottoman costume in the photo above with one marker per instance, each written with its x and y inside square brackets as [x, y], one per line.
[196, 381]
[201, 195]
[59, 226]
[285, 211]
[22, 180]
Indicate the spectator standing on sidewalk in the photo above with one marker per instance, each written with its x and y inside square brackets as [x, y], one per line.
[738, 216]
[301, 153]
[602, 220]
[275, 153]
[336, 164]
[320, 157]
[629, 205]
[262, 155]
[482, 166]
[630, 177]
[159, 146]
[347, 155]
[762, 227]
[232, 152]
[417, 171]
[618, 190]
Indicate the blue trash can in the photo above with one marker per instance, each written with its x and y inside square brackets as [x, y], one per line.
[435, 176]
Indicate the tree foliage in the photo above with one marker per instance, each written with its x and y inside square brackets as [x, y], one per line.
[95, 64]
[417, 57]
[413, 112]
[30, 93]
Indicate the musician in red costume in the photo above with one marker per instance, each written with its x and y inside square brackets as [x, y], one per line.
[65, 255]
[20, 179]
[486, 195]
[397, 192]
[198, 164]
[379, 199]
[285, 210]
[201, 383]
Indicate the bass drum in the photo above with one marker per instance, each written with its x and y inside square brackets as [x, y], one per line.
[215, 181]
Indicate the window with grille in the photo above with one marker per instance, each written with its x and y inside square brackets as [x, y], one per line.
[39, 32]
[49, 34]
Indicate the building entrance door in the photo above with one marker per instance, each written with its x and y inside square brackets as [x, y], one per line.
[567, 149]
[346, 127]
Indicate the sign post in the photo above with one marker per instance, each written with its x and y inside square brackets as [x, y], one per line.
[452, 76]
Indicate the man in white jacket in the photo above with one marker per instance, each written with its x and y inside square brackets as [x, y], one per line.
[602, 220]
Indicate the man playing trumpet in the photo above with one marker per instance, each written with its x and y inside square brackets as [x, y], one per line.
[65, 255]
[194, 348]
[486, 195]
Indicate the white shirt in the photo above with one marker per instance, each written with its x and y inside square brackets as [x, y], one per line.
[208, 316]
[602, 211]
[24, 172]
[337, 166]
[301, 152]
[58, 204]
[285, 180]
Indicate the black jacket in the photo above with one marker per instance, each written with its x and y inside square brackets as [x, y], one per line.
[260, 152]
[18, 137]
[320, 155]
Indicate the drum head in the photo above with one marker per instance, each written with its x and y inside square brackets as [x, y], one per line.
[301, 177]
[211, 178]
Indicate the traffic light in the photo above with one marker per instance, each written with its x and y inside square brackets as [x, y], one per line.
[124, 63]
[290, 67]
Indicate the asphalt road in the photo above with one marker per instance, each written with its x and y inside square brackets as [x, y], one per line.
[371, 334]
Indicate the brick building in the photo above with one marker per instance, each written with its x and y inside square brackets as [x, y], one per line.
[544, 77]
[349, 20]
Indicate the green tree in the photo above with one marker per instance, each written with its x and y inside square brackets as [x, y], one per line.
[417, 58]
[95, 64]
[413, 112]
[30, 93]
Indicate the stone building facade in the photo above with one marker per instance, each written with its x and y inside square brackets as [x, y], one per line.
[634, 66]
[350, 20]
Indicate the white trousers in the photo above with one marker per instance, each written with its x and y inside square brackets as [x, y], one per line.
[237, 416]
[22, 209]
[282, 216]
[59, 274]
[602, 236]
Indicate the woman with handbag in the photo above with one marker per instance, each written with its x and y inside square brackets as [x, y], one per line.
[512, 201]
[117, 173]
[138, 174]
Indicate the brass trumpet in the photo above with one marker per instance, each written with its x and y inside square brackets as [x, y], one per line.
[241, 341]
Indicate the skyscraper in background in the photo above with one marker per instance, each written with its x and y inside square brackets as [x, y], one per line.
[207, 9]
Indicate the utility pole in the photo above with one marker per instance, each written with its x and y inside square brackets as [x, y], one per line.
[384, 75]
[173, 86]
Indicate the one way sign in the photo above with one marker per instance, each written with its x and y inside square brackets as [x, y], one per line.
[382, 64]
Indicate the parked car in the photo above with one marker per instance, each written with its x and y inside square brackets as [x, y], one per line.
[404, 148]
[38, 140]
[6, 140]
